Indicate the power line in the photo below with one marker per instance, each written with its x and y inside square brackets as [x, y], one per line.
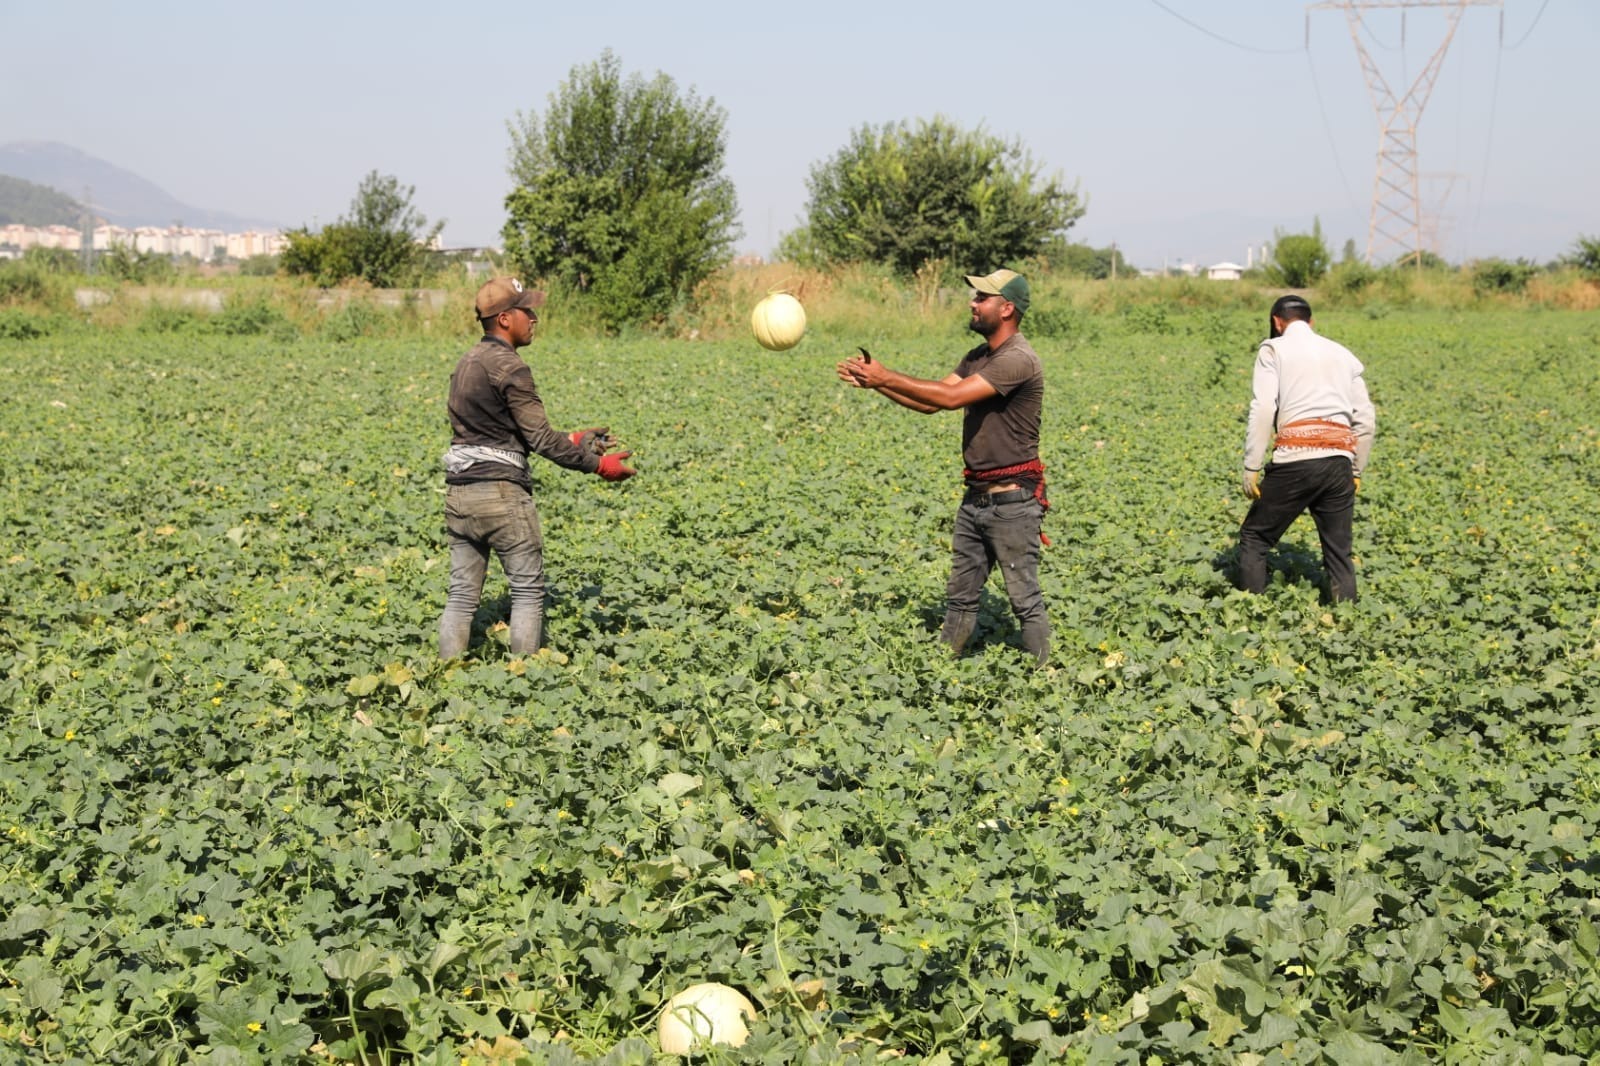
[1327, 128]
[1217, 36]
[1525, 36]
[1494, 106]
[1367, 29]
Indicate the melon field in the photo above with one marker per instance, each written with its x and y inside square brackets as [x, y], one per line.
[246, 816]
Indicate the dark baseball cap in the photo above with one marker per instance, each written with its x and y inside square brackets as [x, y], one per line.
[504, 294]
[1007, 284]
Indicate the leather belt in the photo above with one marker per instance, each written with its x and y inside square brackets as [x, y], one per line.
[981, 498]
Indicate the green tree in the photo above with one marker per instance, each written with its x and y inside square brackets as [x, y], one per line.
[1585, 255]
[1491, 276]
[1299, 259]
[259, 266]
[910, 194]
[122, 262]
[320, 255]
[1350, 276]
[52, 260]
[383, 242]
[619, 192]
[1083, 261]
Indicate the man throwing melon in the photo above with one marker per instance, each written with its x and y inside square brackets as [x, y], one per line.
[999, 387]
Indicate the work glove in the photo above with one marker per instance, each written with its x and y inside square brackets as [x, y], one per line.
[1357, 481]
[1252, 484]
[597, 440]
[611, 467]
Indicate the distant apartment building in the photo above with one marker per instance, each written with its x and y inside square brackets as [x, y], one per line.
[169, 240]
[250, 243]
[25, 237]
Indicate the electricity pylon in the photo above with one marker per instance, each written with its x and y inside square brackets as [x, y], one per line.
[1396, 219]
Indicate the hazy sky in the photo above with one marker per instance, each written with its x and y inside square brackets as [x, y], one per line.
[1195, 128]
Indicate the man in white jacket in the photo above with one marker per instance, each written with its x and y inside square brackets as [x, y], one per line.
[1310, 404]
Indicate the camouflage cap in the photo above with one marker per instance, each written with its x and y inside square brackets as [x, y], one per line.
[503, 294]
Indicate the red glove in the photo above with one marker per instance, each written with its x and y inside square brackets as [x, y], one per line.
[595, 440]
[611, 467]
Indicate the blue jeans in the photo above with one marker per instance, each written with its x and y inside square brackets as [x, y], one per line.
[999, 529]
[1324, 487]
[496, 516]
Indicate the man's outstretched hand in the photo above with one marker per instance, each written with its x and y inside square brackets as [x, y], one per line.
[611, 467]
[861, 370]
[597, 440]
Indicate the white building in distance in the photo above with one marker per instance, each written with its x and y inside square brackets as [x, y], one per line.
[203, 244]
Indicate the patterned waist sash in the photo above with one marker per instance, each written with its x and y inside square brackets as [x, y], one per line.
[1317, 433]
[1032, 470]
[460, 456]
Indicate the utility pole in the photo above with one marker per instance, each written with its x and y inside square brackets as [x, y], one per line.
[1396, 219]
[86, 232]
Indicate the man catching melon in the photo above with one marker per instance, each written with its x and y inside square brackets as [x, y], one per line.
[999, 387]
[496, 422]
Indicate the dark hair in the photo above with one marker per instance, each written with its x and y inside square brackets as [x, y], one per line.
[1290, 308]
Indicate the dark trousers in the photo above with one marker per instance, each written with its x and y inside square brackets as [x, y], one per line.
[1326, 489]
[1000, 529]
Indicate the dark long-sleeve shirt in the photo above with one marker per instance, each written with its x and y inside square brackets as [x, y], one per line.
[493, 403]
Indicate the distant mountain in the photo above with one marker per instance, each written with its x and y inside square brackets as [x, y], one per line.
[116, 195]
[30, 204]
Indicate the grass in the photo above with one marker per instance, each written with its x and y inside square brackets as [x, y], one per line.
[850, 305]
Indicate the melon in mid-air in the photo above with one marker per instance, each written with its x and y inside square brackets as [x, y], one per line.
[702, 1015]
[779, 321]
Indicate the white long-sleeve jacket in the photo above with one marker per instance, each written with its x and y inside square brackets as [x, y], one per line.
[1303, 375]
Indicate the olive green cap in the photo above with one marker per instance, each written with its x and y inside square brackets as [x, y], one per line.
[1007, 284]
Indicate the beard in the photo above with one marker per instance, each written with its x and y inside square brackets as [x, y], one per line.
[981, 326]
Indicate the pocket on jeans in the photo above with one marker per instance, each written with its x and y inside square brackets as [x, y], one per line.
[523, 523]
[1018, 510]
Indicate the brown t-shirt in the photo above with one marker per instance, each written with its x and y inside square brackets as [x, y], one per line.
[1004, 429]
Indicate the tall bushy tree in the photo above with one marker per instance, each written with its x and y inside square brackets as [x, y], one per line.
[907, 194]
[620, 192]
[384, 240]
[1299, 259]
